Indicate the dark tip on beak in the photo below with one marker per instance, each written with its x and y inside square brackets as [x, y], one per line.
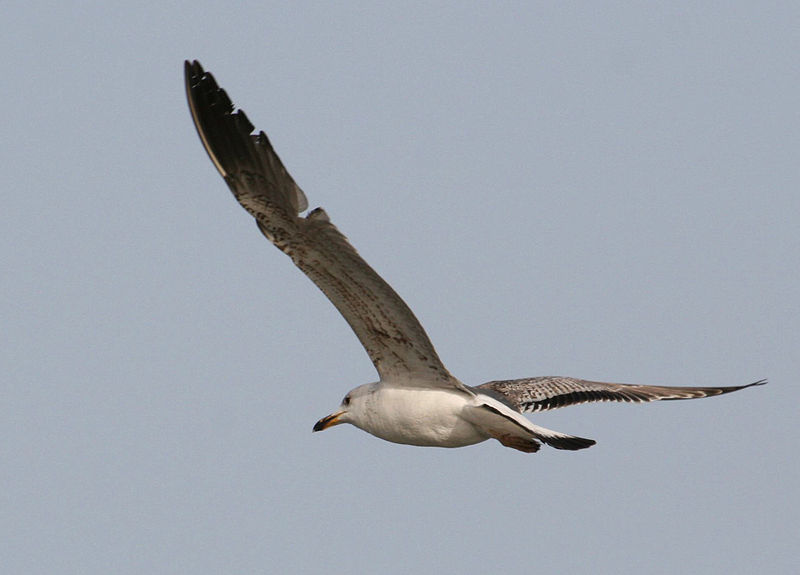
[328, 421]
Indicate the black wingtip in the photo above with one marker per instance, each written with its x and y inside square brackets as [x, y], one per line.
[738, 387]
[192, 68]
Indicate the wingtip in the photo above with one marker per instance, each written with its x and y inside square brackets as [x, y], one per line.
[739, 387]
[194, 73]
[191, 68]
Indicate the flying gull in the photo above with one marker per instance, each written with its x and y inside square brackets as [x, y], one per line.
[416, 400]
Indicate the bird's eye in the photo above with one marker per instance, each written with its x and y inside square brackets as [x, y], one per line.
[346, 400]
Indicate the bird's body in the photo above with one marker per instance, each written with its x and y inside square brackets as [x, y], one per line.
[417, 415]
[417, 401]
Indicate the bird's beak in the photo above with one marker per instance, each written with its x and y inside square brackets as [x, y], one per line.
[329, 421]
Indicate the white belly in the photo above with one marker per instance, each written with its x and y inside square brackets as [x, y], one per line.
[429, 417]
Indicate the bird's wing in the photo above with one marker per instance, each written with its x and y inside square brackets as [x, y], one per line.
[544, 393]
[394, 339]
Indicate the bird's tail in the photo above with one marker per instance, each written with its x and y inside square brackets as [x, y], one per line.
[560, 440]
[514, 430]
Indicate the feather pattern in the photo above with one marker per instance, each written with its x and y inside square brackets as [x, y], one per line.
[393, 337]
[416, 401]
[552, 392]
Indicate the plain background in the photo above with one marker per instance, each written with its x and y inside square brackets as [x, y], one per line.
[602, 190]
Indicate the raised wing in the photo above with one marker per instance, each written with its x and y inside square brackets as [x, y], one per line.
[544, 393]
[394, 339]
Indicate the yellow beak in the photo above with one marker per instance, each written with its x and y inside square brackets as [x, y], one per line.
[328, 421]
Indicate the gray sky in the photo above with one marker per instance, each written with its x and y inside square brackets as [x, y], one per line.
[590, 190]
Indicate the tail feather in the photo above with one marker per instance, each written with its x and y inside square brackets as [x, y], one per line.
[569, 442]
[514, 430]
[560, 440]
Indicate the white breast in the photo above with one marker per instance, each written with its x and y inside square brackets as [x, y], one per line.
[418, 416]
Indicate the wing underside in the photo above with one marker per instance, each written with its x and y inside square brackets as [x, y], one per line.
[392, 336]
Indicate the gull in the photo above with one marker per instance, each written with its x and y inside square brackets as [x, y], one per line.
[416, 400]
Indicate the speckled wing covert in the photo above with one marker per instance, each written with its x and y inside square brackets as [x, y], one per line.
[552, 392]
[393, 338]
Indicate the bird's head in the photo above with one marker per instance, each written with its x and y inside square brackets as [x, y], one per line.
[350, 410]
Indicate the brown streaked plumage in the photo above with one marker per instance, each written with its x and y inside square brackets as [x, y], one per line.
[534, 394]
[416, 401]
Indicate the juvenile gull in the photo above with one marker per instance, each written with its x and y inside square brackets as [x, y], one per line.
[416, 401]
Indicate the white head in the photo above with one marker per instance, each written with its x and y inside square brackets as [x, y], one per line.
[351, 409]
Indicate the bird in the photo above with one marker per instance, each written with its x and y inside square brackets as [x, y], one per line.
[416, 400]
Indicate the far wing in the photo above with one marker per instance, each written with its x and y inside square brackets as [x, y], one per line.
[394, 339]
[544, 393]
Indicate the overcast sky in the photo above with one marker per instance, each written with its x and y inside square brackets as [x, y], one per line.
[590, 190]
